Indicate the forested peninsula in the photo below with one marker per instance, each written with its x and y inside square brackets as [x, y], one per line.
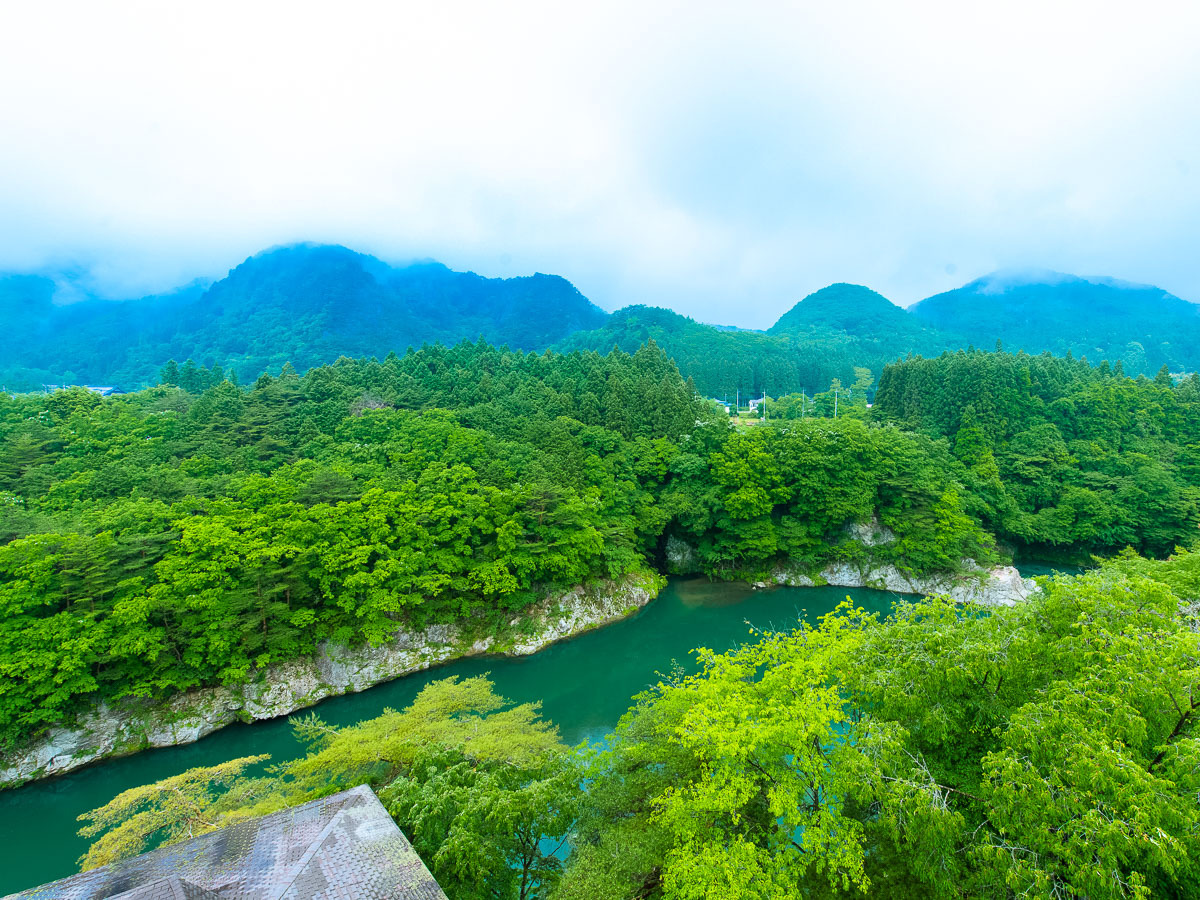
[182, 538]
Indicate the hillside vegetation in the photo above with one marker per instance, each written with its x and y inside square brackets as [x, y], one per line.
[1142, 326]
[309, 305]
[175, 538]
[1060, 453]
[304, 305]
[1043, 750]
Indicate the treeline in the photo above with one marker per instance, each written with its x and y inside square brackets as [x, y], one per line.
[167, 539]
[1043, 750]
[1060, 453]
[725, 362]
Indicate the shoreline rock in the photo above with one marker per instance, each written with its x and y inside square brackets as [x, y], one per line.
[121, 728]
[997, 586]
[126, 727]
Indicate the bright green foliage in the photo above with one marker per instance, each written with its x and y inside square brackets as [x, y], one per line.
[465, 715]
[1044, 750]
[764, 811]
[166, 540]
[787, 491]
[174, 809]
[488, 828]
[476, 783]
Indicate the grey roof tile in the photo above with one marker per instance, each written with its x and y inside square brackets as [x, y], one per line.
[345, 846]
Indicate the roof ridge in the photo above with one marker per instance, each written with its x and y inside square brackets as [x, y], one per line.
[312, 849]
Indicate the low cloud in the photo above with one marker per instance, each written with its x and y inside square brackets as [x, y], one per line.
[676, 154]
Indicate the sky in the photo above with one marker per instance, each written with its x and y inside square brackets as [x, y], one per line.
[721, 159]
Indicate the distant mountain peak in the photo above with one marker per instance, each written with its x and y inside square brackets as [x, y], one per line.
[842, 306]
[304, 304]
[1004, 280]
[1094, 316]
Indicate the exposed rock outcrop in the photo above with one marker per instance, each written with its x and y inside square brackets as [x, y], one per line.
[125, 727]
[680, 556]
[998, 586]
[870, 533]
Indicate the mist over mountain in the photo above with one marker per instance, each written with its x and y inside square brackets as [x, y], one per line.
[303, 304]
[310, 304]
[1100, 318]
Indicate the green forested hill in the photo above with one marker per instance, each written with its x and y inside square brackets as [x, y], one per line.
[1061, 452]
[1100, 318]
[864, 314]
[306, 305]
[808, 348]
[723, 362]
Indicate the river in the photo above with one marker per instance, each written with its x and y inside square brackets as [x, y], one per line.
[584, 684]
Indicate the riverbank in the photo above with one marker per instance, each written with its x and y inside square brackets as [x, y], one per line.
[996, 586]
[118, 729]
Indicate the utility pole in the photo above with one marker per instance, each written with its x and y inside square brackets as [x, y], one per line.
[835, 400]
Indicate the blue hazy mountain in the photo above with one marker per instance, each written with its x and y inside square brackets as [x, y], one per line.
[309, 304]
[1100, 318]
[303, 304]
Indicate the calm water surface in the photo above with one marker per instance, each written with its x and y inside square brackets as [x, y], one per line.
[584, 686]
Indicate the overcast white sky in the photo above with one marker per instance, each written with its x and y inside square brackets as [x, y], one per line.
[721, 159]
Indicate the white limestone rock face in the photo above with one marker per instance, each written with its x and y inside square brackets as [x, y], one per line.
[680, 556]
[998, 586]
[588, 606]
[119, 729]
[871, 533]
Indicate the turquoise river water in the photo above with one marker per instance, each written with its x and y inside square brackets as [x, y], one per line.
[584, 685]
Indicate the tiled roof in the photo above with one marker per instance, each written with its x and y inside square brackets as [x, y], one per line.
[172, 888]
[344, 847]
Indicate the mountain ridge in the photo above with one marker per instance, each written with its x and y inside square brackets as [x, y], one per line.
[310, 303]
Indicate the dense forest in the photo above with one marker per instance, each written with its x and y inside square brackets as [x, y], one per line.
[1042, 750]
[1060, 453]
[802, 355]
[194, 532]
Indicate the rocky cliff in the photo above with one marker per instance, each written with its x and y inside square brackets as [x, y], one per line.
[121, 728]
[995, 586]
[998, 586]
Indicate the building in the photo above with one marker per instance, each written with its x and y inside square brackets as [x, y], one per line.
[343, 847]
[102, 390]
